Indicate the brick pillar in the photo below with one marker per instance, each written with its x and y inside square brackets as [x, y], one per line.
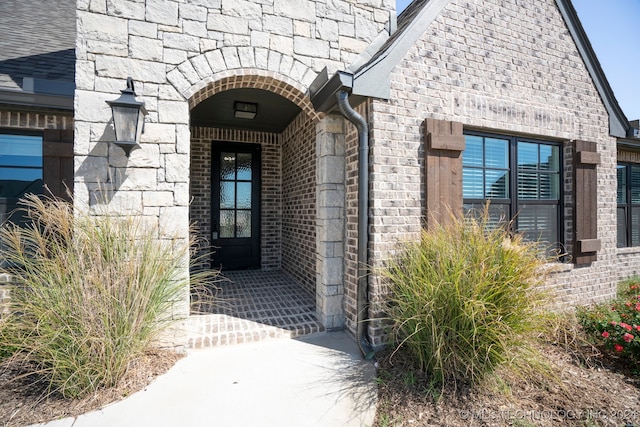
[330, 221]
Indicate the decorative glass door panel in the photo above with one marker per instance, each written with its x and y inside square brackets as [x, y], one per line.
[236, 205]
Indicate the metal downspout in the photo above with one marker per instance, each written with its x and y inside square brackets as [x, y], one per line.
[362, 302]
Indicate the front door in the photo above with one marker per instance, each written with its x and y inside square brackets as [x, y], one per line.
[236, 206]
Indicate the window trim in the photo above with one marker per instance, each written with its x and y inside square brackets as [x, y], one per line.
[513, 201]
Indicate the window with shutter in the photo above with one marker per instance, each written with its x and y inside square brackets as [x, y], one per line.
[521, 179]
[443, 169]
[585, 212]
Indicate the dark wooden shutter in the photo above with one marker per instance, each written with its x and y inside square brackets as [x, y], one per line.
[585, 209]
[444, 144]
[57, 162]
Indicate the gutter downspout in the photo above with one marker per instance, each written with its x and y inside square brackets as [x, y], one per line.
[362, 301]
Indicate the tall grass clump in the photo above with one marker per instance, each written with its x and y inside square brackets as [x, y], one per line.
[91, 293]
[464, 297]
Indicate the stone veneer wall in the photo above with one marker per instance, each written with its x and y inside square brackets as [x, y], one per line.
[175, 51]
[299, 200]
[504, 67]
[271, 203]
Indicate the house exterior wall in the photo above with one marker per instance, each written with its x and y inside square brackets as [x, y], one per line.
[202, 140]
[14, 119]
[502, 67]
[351, 229]
[178, 53]
[299, 200]
[34, 120]
[288, 208]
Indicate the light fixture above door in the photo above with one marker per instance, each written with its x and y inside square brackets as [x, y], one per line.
[245, 110]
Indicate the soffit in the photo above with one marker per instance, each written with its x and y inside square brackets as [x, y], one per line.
[274, 111]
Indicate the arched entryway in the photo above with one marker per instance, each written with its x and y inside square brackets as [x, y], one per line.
[253, 204]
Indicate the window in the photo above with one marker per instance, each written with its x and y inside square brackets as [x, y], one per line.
[20, 169]
[628, 198]
[521, 179]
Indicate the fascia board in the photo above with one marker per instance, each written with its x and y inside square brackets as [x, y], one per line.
[373, 78]
[36, 100]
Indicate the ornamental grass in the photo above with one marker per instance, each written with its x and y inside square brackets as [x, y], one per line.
[466, 298]
[91, 294]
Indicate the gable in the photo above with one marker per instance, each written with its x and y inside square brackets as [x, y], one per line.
[372, 79]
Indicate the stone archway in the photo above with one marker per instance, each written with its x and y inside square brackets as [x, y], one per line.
[290, 186]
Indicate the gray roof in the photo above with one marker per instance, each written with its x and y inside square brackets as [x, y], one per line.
[37, 49]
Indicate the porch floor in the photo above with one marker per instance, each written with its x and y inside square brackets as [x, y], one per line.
[252, 305]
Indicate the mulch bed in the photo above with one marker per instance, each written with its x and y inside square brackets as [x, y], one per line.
[24, 399]
[588, 391]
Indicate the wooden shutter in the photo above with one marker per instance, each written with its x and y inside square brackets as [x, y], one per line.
[57, 162]
[444, 144]
[585, 208]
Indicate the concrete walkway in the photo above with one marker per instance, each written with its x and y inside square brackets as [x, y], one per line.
[318, 380]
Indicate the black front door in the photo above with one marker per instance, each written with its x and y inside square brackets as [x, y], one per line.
[236, 206]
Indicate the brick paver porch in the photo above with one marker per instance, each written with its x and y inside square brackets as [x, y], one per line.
[253, 305]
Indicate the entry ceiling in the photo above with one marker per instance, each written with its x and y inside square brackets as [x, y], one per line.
[274, 111]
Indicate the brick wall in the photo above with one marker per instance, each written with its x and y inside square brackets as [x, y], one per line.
[299, 200]
[351, 238]
[29, 120]
[5, 280]
[504, 67]
[200, 189]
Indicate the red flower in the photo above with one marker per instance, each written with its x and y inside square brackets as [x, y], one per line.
[628, 304]
[637, 327]
[618, 348]
[632, 287]
[624, 325]
[605, 334]
[628, 337]
[638, 306]
[614, 323]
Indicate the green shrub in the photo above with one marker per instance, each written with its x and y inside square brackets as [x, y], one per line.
[92, 293]
[464, 297]
[615, 325]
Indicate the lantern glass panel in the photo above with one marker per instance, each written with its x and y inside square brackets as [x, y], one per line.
[125, 120]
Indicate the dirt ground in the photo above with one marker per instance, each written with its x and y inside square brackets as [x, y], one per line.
[24, 400]
[589, 390]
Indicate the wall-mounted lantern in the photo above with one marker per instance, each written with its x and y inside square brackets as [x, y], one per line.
[128, 118]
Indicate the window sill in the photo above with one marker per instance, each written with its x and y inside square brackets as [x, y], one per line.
[558, 267]
[628, 251]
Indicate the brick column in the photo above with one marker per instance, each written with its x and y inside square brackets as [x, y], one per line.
[330, 221]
